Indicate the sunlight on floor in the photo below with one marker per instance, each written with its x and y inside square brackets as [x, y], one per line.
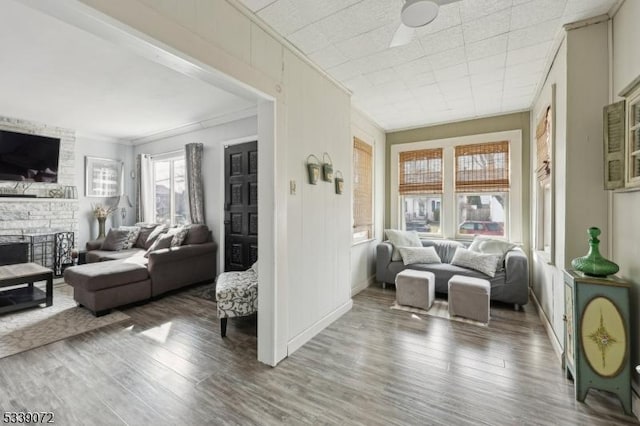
[159, 334]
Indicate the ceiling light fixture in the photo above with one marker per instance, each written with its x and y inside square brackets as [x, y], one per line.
[417, 13]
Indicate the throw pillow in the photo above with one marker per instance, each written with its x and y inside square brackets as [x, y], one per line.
[413, 255]
[162, 242]
[155, 234]
[145, 230]
[485, 263]
[134, 232]
[488, 245]
[402, 239]
[115, 239]
[179, 236]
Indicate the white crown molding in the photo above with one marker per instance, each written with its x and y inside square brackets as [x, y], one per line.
[441, 123]
[197, 125]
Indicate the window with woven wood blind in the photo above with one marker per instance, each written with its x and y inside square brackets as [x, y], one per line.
[362, 190]
[482, 167]
[543, 147]
[421, 172]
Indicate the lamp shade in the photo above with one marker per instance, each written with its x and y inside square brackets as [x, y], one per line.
[124, 202]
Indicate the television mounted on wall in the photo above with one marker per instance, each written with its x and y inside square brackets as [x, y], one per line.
[28, 158]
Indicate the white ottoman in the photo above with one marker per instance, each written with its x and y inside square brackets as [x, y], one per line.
[469, 297]
[415, 288]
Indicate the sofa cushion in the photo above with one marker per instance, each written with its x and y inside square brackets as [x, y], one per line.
[413, 255]
[445, 248]
[102, 275]
[485, 263]
[115, 240]
[198, 233]
[488, 245]
[101, 255]
[402, 239]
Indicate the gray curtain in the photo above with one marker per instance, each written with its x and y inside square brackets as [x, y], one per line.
[139, 217]
[195, 183]
[144, 189]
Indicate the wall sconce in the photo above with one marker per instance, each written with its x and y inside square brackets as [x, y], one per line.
[327, 168]
[339, 182]
[313, 169]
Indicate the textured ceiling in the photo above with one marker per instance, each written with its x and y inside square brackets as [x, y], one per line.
[53, 73]
[477, 58]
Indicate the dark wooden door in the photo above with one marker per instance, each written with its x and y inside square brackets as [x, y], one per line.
[241, 206]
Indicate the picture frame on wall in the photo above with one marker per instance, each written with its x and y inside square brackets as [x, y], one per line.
[103, 177]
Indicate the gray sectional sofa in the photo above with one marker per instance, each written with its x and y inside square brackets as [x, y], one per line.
[114, 278]
[510, 284]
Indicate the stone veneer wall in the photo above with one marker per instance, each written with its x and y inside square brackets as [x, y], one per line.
[28, 215]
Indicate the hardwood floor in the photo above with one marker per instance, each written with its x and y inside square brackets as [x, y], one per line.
[168, 365]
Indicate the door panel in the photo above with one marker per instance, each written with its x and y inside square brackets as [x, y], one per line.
[241, 206]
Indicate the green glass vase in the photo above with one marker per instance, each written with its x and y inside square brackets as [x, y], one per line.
[593, 263]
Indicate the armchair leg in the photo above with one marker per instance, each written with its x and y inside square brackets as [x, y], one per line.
[223, 327]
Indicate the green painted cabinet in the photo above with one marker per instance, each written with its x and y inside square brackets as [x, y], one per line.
[597, 346]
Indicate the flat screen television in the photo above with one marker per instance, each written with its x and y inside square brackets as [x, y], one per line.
[30, 158]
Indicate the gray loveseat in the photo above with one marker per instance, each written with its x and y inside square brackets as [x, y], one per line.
[510, 284]
[116, 278]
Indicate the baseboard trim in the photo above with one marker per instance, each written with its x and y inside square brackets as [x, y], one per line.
[555, 343]
[308, 334]
[362, 285]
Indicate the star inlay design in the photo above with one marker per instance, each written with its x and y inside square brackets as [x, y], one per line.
[603, 339]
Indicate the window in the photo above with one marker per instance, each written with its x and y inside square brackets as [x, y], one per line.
[482, 186]
[169, 190]
[362, 190]
[420, 189]
[462, 186]
[544, 197]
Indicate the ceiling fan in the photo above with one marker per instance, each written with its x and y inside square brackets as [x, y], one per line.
[415, 14]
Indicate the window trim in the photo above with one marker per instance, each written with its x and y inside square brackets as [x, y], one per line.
[514, 220]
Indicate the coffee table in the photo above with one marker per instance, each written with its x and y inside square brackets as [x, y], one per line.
[25, 294]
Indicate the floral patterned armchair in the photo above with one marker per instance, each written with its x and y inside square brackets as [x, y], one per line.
[236, 295]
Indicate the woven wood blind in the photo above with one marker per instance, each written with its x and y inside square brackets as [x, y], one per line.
[482, 167]
[362, 187]
[421, 172]
[543, 147]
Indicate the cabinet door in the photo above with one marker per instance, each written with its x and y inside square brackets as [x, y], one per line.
[569, 337]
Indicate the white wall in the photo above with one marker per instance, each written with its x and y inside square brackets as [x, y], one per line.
[213, 139]
[363, 254]
[308, 285]
[102, 148]
[580, 200]
[625, 206]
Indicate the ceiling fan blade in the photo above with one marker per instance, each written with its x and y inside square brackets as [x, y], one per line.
[403, 35]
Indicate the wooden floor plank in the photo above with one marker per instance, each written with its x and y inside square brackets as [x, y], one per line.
[374, 366]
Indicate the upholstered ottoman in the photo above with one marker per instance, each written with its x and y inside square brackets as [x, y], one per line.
[415, 288]
[102, 286]
[469, 297]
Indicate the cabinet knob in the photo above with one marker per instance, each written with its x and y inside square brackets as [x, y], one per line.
[564, 318]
